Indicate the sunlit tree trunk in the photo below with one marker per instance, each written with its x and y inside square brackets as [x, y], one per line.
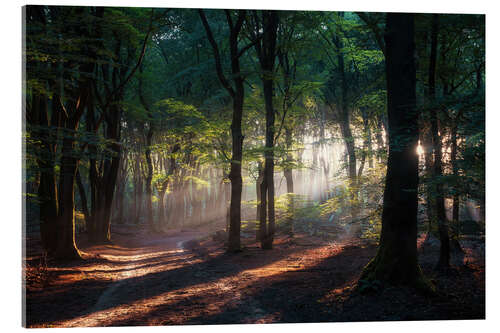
[289, 180]
[288, 170]
[66, 246]
[366, 143]
[380, 141]
[344, 116]
[237, 94]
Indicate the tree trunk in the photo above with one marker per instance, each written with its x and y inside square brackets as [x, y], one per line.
[83, 198]
[47, 189]
[444, 252]
[258, 184]
[456, 192]
[287, 172]
[344, 112]
[380, 141]
[149, 178]
[235, 173]
[237, 94]
[149, 163]
[66, 246]
[266, 51]
[396, 259]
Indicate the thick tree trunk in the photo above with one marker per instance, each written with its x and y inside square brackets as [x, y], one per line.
[66, 246]
[396, 259]
[106, 181]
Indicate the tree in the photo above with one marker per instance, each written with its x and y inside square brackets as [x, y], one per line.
[396, 258]
[237, 94]
[265, 45]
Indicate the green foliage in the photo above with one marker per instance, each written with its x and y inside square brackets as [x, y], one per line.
[358, 203]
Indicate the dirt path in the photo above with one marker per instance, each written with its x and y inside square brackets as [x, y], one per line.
[146, 279]
[148, 256]
[112, 274]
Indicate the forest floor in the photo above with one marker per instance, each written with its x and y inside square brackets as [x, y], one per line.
[185, 277]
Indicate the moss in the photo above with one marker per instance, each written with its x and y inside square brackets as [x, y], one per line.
[389, 272]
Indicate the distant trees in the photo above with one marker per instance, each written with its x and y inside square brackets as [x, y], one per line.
[65, 78]
[450, 49]
[140, 115]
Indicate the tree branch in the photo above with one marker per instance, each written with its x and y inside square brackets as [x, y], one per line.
[218, 65]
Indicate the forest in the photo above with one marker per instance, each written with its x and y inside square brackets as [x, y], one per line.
[222, 166]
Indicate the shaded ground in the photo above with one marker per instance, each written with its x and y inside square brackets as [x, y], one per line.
[165, 280]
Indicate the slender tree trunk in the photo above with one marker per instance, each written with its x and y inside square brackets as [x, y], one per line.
[456, 197]
[237, 94]
[138, 188]
[149, 163]
[444, 253]
[429, 174]
[344, 112]
[83, 198]
[380, 140]
[235, 173]
[149, 178]
[289, 180]
[258, 192]
[266, 51]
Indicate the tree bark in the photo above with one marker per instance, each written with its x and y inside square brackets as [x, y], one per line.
[83, 198]
[344, 119]
[444, 252]
[266, 52]
[396, 258]
[237, 94]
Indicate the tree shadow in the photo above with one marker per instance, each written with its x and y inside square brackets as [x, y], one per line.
[77, 299]
[291, 296]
